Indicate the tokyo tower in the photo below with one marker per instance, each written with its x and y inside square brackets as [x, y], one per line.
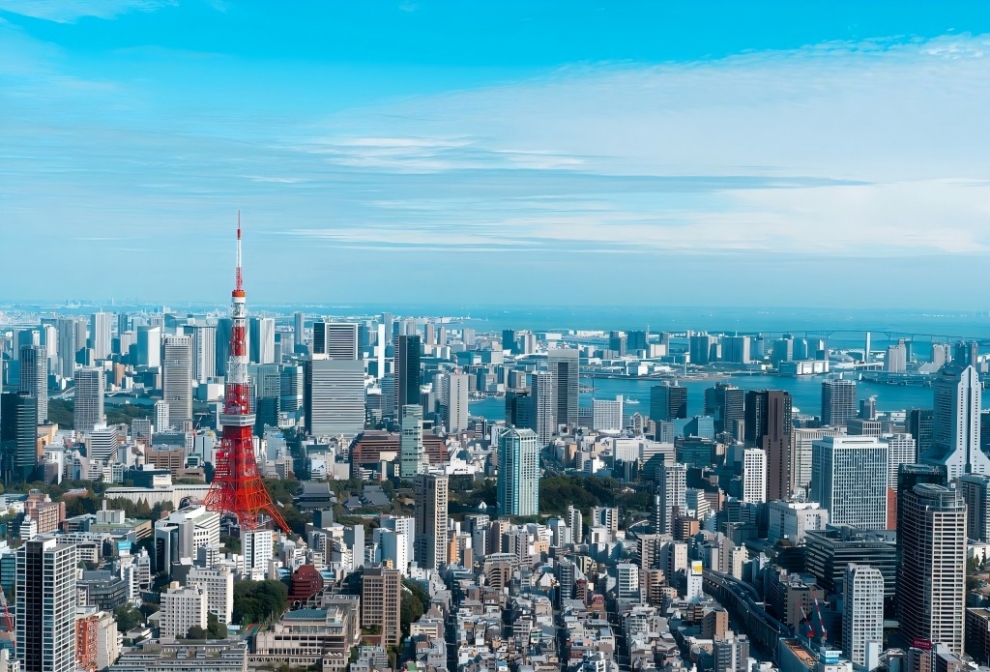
[237, 487]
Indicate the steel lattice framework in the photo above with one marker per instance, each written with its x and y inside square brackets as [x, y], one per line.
[237, 488]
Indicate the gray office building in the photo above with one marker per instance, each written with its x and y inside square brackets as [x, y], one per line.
[838, 402]
[565, 371]
[334, 397]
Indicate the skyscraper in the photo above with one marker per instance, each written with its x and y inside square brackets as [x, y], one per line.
[838, 401]
[769, 426]
[67, 347]
[431, 491]
[956, 423]
[668, 402]
[177, 379]
[88, 403]
[736, 349]
[542, 406]
[46, 605]
[518, 473]
[862, 616]
[407, 371]
[34, 377]
[754, 476]
[262, 340]
[900, 450]
[919, 425]
[412, 453]
[725, 403]
[509, 341]
[457, 402]
[100, 336]
[149, 347]
[931, 586]
[204, 352]
[224, 326]
[565, 372]
[19, 436]
[849, 478]
[672, 495]
[334, 397]
[335, 340]
[975, 491]
[299, 331]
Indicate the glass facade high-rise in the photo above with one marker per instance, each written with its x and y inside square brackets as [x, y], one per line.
[408, 376]
[34, 376]
[769, 426]
[565, 370]
[668, 402]
[46, 605]
[518, 473]
[19, 436]
[177, 378]
[88, 401]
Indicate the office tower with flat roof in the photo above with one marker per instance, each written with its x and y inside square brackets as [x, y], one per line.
[68, 347]
[335, 340]
[896, 359]
[457, 402]
[725, 403]
[804, 439]
[931, 589]
[204, 352]
[617, 342]
[88, 400]
[900, 450]
[754, 476]
[607, 415]
[19, 436]
[849, 478]
[956, 423]
[408, 376]
[46, 605]
[34, 377]
[412, 454]
[975, 491]
[431, 543]
[671, 496]
[862, 616]
[736, 349]
[829, 551]
[769, 426]
[224, 326]
[299, 331]
[565, 370]
[542, 407]
[177, 379]
[966, 353]
[261, 340]
[668, 402]
[266, 395]
[838, 402]
[292, 380]
[700, 348]
[149, 347]
[334, 397]
[518, 473]
[509, 341]
[381, 601]
[100, 335]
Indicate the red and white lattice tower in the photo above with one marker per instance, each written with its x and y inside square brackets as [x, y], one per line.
[237, 487]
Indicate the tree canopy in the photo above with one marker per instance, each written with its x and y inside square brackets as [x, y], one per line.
[259, 601]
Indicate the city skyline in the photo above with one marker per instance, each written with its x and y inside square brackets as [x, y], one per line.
[760, 152]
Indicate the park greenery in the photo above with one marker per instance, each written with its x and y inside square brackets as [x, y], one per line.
[259, 601]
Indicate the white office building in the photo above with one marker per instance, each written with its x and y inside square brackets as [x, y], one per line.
[862, 616]
[849, 479]
[182, 608]
[218, 584]
[607, 415]
[754, 477]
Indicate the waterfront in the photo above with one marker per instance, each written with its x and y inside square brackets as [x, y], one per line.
[806, 392]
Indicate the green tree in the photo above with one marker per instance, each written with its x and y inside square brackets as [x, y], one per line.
[413, 605]
[196, 632]
[214, 628]
[127, 618]
[259, 601]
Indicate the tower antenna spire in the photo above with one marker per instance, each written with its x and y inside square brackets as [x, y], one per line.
[240, 278]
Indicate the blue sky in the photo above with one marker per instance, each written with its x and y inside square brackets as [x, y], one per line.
[489, 153]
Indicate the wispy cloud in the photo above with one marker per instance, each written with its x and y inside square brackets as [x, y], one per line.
[69, 11]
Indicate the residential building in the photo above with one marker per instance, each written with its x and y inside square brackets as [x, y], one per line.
[431, 542]
[46, 605]
[182, 609]
[518, 473]
[381, 598]
[862, 616]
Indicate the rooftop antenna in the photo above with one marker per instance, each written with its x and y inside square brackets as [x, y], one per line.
[240, 280]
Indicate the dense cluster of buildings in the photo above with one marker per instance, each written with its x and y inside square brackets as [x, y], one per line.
[749, 536]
